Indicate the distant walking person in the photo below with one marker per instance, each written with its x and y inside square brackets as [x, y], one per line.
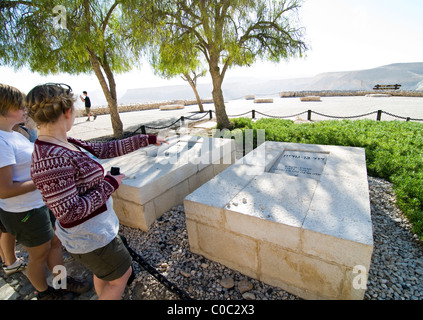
[87, 102]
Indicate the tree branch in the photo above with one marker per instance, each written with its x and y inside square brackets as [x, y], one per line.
[12, 4]
[109, 14]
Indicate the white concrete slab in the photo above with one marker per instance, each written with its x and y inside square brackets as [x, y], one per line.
[158, 178]
[302, 209]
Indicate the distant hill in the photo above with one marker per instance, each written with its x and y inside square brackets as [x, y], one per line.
[409, 75]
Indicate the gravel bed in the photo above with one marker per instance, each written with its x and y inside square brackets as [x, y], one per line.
[396, 271]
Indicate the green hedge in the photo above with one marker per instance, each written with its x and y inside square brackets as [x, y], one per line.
[394, 151]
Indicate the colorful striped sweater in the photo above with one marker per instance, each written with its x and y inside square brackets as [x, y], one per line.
[72, 184]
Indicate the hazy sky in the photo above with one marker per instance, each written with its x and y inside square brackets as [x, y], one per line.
[342, 35]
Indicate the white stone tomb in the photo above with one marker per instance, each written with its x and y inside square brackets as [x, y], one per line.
[291, 215]
[158, 178]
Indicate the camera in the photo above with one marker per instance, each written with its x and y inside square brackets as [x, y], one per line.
[115, 171]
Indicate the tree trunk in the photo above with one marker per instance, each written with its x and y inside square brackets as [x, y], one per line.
[197, 96]
[110, 94]
[194, 88]
[109, 90]
[114, 112]
[219, 102]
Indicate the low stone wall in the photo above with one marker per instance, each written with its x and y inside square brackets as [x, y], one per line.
[139, 107]
[348, 93]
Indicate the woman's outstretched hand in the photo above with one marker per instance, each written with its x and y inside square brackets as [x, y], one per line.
[118, 177]
[160, 141]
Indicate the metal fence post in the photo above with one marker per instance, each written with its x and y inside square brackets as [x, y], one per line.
[379, 115]
[211, 114]
[253, 116]
[309, 115]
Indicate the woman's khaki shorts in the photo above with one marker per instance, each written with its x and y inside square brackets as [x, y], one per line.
[107, 263]
[31, 228]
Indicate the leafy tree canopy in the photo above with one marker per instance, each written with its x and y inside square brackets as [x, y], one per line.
[226, 33]
[51, 36]
[71, 36]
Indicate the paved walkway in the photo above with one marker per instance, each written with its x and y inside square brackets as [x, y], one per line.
[333, 106]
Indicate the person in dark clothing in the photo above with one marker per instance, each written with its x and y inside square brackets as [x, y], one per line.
[87, 102]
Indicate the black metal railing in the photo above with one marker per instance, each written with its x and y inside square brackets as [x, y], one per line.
[309, 113]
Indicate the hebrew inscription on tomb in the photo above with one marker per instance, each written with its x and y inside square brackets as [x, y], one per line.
[301, 164]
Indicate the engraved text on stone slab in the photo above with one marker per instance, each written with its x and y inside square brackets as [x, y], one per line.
[303, 164]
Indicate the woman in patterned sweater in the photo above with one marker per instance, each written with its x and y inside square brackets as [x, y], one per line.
[22, 210]
[76, 189]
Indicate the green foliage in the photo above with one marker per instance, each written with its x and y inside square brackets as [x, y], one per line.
[394, 151]
[224, 34]
[75, 36]
[30, 36]
[242, 123]
[175, 57]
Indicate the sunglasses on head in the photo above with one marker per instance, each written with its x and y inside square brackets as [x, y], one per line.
[63, 86]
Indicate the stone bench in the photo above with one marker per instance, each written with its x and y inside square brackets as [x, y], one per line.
[310, 99]
[387, 87]
[269, 100]
[158, 178]
[287, 94]
[172, 107]
[291, 215]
